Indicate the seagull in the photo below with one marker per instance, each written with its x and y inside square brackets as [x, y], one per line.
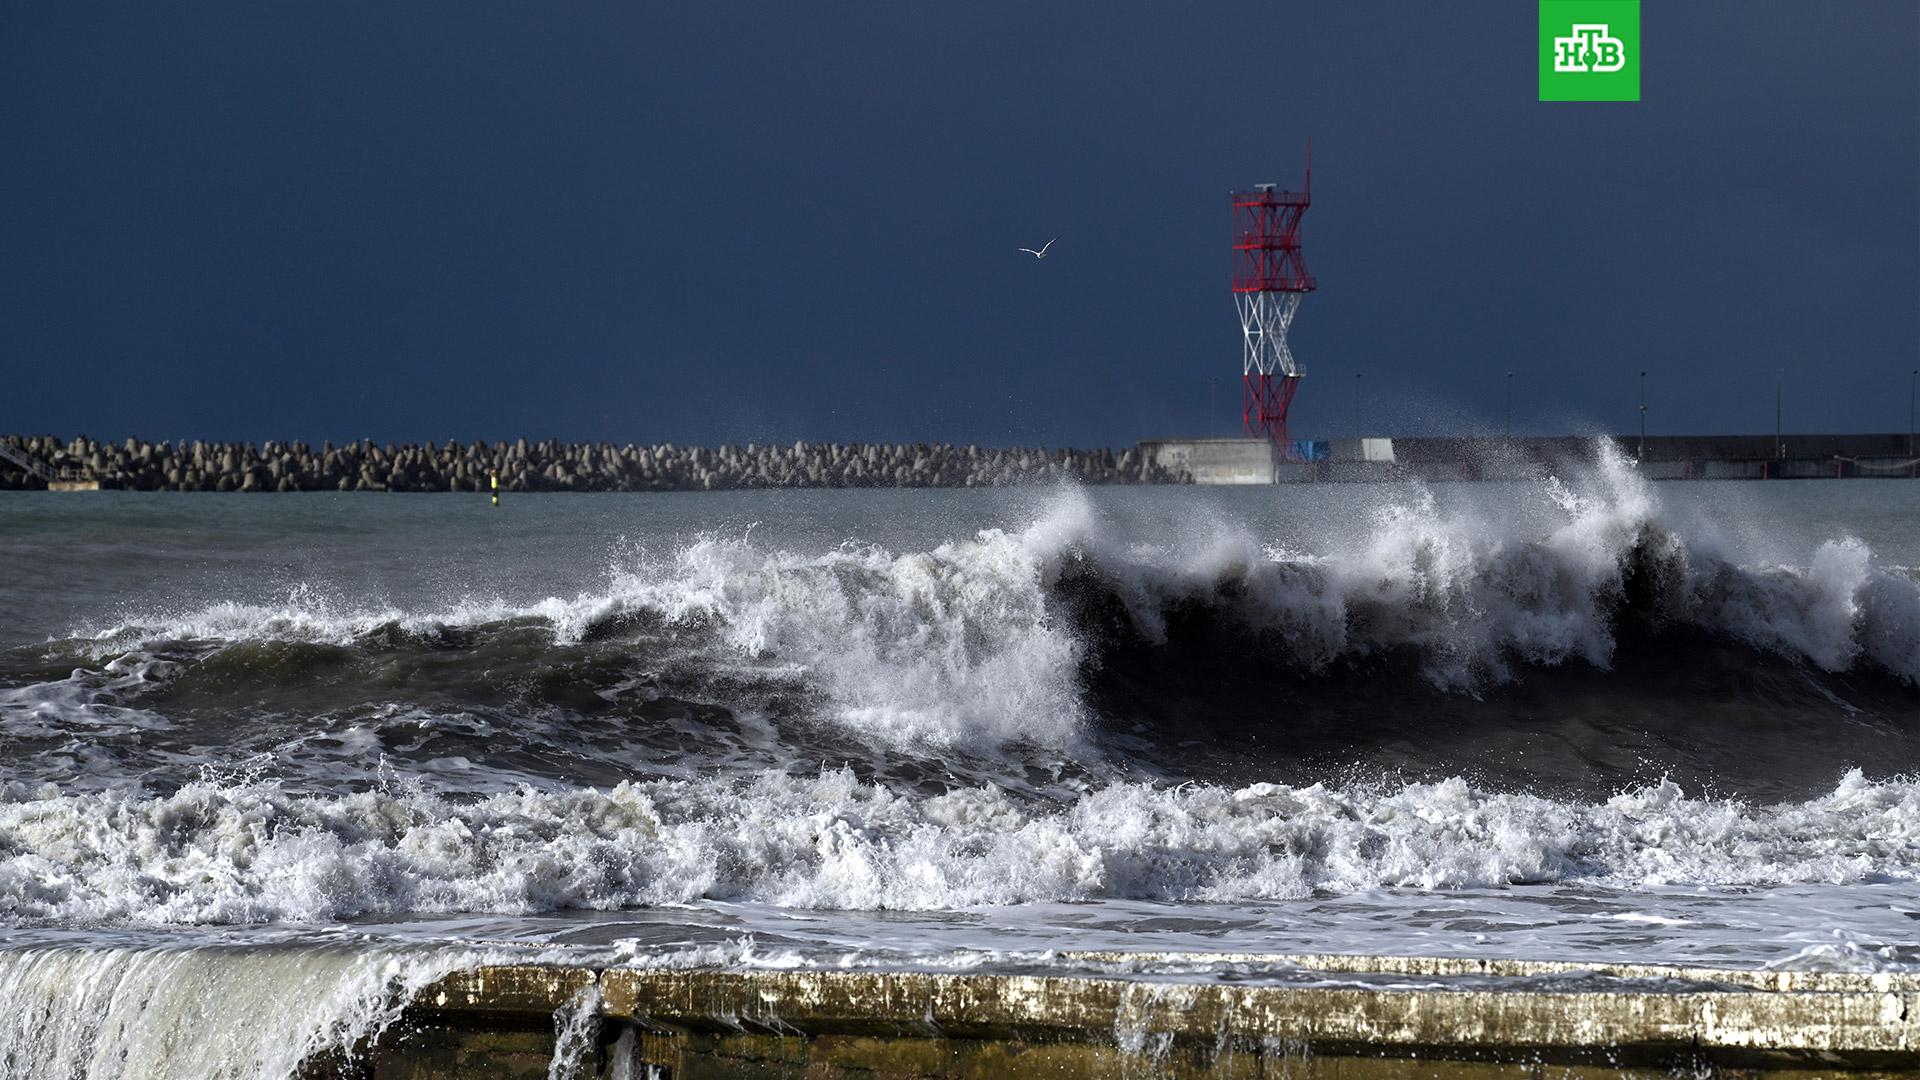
[1042, 253]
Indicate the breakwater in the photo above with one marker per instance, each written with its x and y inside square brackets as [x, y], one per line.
[42, 461]
[551, 465]
[1308, 1016]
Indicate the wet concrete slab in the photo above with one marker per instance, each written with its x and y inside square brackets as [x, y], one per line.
[1429, 1017]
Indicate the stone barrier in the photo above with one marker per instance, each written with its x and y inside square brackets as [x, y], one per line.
[556, 466]
[84, 463]
[1307, 1016]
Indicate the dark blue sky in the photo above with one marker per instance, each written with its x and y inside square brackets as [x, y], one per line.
[766, 222]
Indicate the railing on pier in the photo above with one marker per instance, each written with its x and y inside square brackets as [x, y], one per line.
[29, 464]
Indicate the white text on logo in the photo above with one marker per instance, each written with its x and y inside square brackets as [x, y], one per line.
[1589, 48]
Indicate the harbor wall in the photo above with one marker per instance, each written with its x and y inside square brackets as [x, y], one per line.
[1450, 1018]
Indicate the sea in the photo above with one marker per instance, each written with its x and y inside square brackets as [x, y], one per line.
[270, 763]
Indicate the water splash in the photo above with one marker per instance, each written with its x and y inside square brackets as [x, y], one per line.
[135, 1014]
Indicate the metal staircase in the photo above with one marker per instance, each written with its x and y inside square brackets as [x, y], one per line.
[57, 478]
[27, 463]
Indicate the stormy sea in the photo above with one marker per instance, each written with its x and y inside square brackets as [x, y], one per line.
[269, 762]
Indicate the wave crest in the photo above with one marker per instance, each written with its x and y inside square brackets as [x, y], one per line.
[1010, 637]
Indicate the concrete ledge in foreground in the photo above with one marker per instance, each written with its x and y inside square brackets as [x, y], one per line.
[1412, 1017]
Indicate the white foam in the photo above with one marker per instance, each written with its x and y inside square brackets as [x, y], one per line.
[252, 852]
[86, 700]
[955, 643]
[1846, 951]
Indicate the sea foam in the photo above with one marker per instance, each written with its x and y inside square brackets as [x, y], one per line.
[252, 852]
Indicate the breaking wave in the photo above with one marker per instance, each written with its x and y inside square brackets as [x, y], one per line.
[1582, 642]
[984, 637]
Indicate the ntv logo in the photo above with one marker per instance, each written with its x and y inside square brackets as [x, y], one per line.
[1589, 49]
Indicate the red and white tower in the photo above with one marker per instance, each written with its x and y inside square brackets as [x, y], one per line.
[1269, 278]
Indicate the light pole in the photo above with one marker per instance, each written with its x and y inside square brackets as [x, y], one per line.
[1643, 416]
[1779, 447]
[1509, 404]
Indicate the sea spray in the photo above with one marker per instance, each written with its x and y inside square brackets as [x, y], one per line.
[944, 646]
[576, 1027]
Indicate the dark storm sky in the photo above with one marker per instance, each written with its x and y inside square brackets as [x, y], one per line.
[765, 222]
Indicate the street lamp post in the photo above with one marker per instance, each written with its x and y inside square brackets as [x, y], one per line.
[1509, 404]
[1779, 447]
[1643, 416]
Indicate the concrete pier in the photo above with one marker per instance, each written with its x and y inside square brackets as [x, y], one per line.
[1332, 1016]
[1216, 461]
[1449, 459]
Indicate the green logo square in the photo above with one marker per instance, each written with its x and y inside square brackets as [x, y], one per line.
[1589, 50]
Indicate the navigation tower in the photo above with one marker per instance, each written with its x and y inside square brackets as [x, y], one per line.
[1269, 278]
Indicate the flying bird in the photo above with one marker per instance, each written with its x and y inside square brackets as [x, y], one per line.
[1042, 253]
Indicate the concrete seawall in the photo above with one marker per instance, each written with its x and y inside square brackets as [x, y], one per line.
[1452, 459]
[1332, 1016]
